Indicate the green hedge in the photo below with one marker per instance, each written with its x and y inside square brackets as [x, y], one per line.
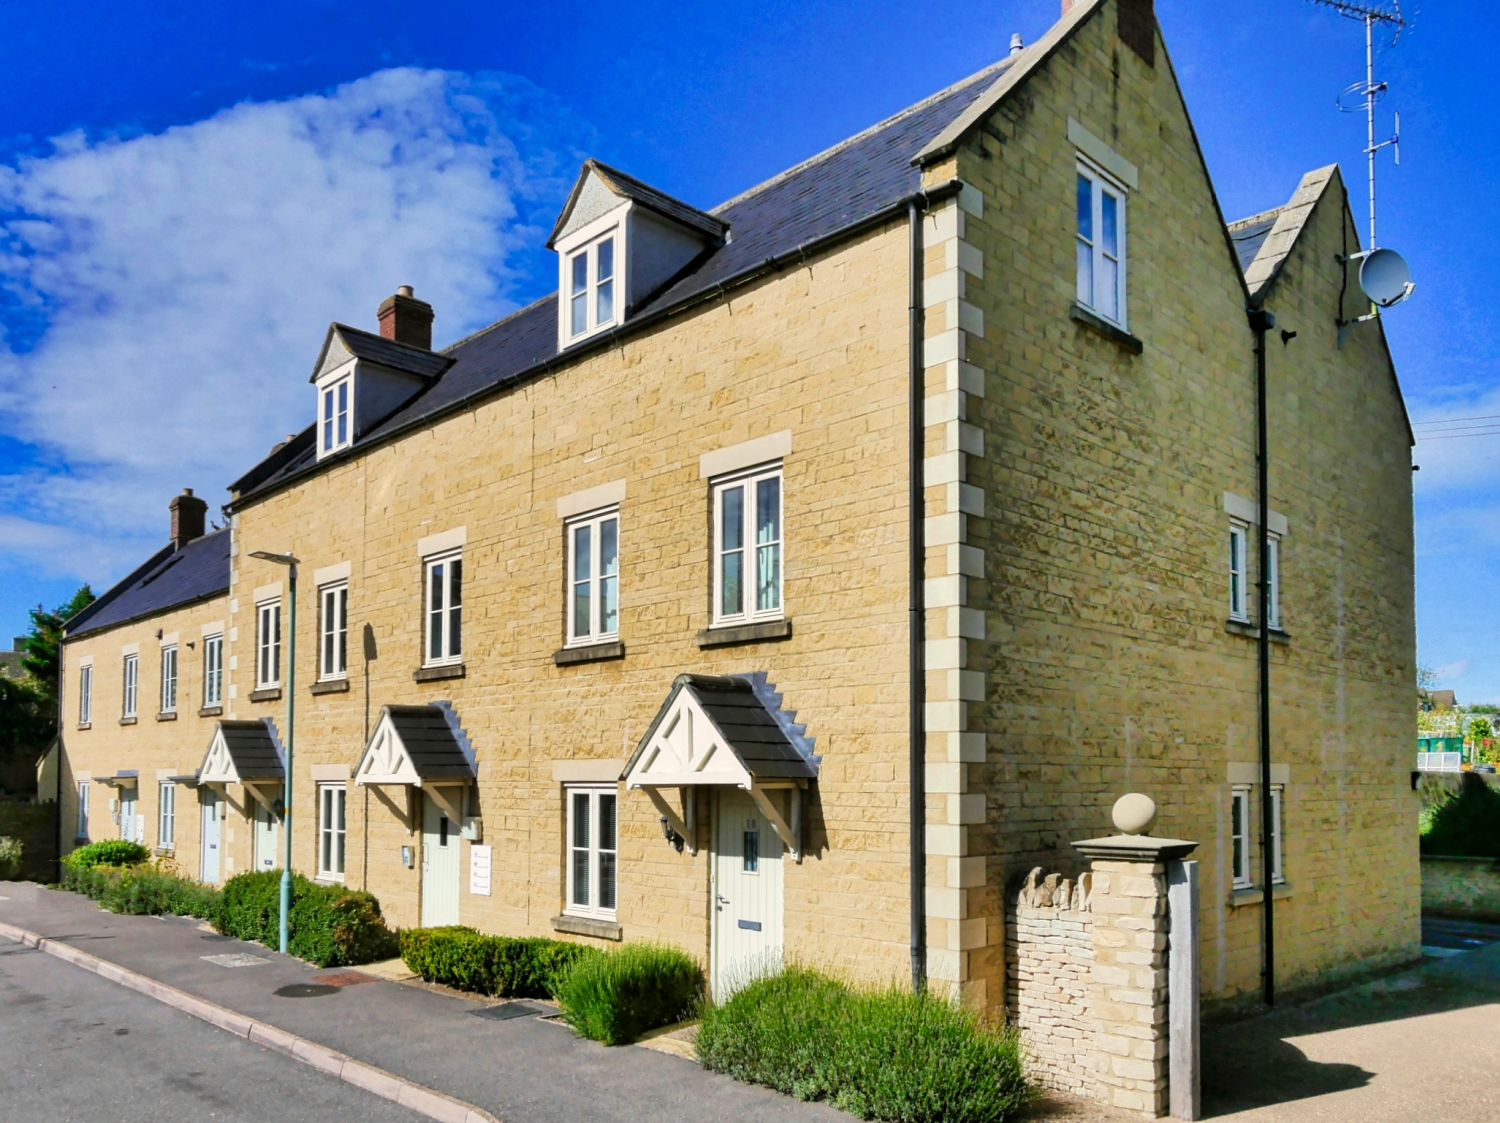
[109, 852]
[142, 890]
[617, 995]
[1466, 823]
[459, 957]
[10, 859]
[889, 1055]
[328, 925]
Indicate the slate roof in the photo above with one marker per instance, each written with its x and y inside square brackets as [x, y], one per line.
[1249, 234]
[376, 348]
[432, 741]
[631, 188]
[169, 578]
[748, 727]
[252, 746]
[835, 190]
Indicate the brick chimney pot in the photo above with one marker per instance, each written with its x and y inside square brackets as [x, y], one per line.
[406, 319]
[188, 513]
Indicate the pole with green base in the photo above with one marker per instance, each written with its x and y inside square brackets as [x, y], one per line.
[291, 716]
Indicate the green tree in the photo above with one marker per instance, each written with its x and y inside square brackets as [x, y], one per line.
[28, 707]
[45, 641]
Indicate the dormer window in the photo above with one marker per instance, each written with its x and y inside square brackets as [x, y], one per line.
[336, 427]
[591, 287]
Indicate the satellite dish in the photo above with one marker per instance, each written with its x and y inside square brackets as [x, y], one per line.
[1385, 277]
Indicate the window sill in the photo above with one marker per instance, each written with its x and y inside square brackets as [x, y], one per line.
[127, 721]
[167, 715]
[211, 711]
[269, 694]
[1252, 631]
[1255, 895]
[163, 851]
[1097, 323]
[592, 653]
[330, 686]
[588, 926]
[85, 725]
[328, 879]
[435, 674]
[745, 633]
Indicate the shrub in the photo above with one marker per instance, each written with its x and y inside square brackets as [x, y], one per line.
[459, 957]
[10, 859]
[142, 890]
[108, 852]
[616, 996]
[328, 925]
[1466, 824]
[888, 1054]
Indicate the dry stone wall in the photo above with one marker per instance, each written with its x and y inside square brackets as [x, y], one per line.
[1050, 956]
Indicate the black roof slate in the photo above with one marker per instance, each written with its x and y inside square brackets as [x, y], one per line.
[631, 188]
[1249, 234]
[252, 746]
[748, 727]
[375, 348]
[431, 742]
[168, 579]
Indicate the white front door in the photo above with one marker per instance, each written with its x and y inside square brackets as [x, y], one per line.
[127, 815]
[267, 838]
[747, 934]
[439, 866]
[212, 811]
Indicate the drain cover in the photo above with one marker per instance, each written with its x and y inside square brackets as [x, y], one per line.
[507, 1010]
[344, 979]
[235, 959]
[305, 990]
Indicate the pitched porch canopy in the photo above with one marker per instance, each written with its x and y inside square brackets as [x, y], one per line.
[725, 730]
[247, 753]
[420, 747]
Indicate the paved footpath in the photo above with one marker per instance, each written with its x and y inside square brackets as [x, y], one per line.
[521, 1070]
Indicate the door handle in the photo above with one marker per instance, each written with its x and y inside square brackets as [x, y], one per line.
[723, 900]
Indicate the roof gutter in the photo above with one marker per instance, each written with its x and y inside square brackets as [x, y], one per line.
[775, 264]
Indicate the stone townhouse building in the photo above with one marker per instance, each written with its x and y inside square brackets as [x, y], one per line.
[804, 572]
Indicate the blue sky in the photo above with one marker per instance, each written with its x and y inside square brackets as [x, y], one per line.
[190, 192]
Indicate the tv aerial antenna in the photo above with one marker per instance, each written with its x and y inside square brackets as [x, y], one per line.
[1383, 273]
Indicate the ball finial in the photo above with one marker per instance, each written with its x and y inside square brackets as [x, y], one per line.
[1134, 813]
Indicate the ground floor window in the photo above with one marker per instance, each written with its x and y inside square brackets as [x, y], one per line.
[591, 851]
[83, 809]
[331, 831]
[1239, 830]
[166, 816]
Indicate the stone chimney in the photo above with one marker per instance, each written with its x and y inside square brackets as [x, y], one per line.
[188, 512]
[406, 319]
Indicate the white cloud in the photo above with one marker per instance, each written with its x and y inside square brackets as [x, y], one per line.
[187, 278]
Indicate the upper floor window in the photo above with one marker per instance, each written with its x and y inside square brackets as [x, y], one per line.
[590, 275]
[335, 429]
[1273, 580]
[333, 631]
[444, 595]
[747, 547]
[268, 643]
[169, 679]
[1239, 599]
[213, 670]
[132, 684]
[85, 693]
[1101, 244]
[594, 578]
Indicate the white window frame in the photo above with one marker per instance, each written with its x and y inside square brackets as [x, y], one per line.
[585, 839]
[333, 831]
[1273, 578]
[86, 694]
[169, 679]
[594, 287]
[132, 686]
[1241, 856]
[333, 631]
[449, 647]
[268, 644]
[83, 810]
[749, 549]
[336, 415]
[598, 584]
[1239, 571]
[1277, 807]
[213, 670]
[166, 815]
[1091, 243]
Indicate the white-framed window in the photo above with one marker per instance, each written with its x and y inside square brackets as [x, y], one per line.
[748, 547]
[592, 843]
[1239, 572]
[1239, 832]
[213, 670]
[132, 684]
[85, 694]
[83, 809]
[443, 633]
[169, 679]
[333, 631]
[1273, 580]
[166, 815]
[335, 431]
[1277, 876]
[268, 644]
[1101, 243]
[331, 831]
[594, 578]
[590, 275]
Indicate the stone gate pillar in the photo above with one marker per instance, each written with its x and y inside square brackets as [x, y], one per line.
[1128, 984]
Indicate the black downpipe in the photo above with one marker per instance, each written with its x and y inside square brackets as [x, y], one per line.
[916, 211]
[1261, 322]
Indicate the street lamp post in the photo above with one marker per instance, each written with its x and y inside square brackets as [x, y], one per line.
[291, 714]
